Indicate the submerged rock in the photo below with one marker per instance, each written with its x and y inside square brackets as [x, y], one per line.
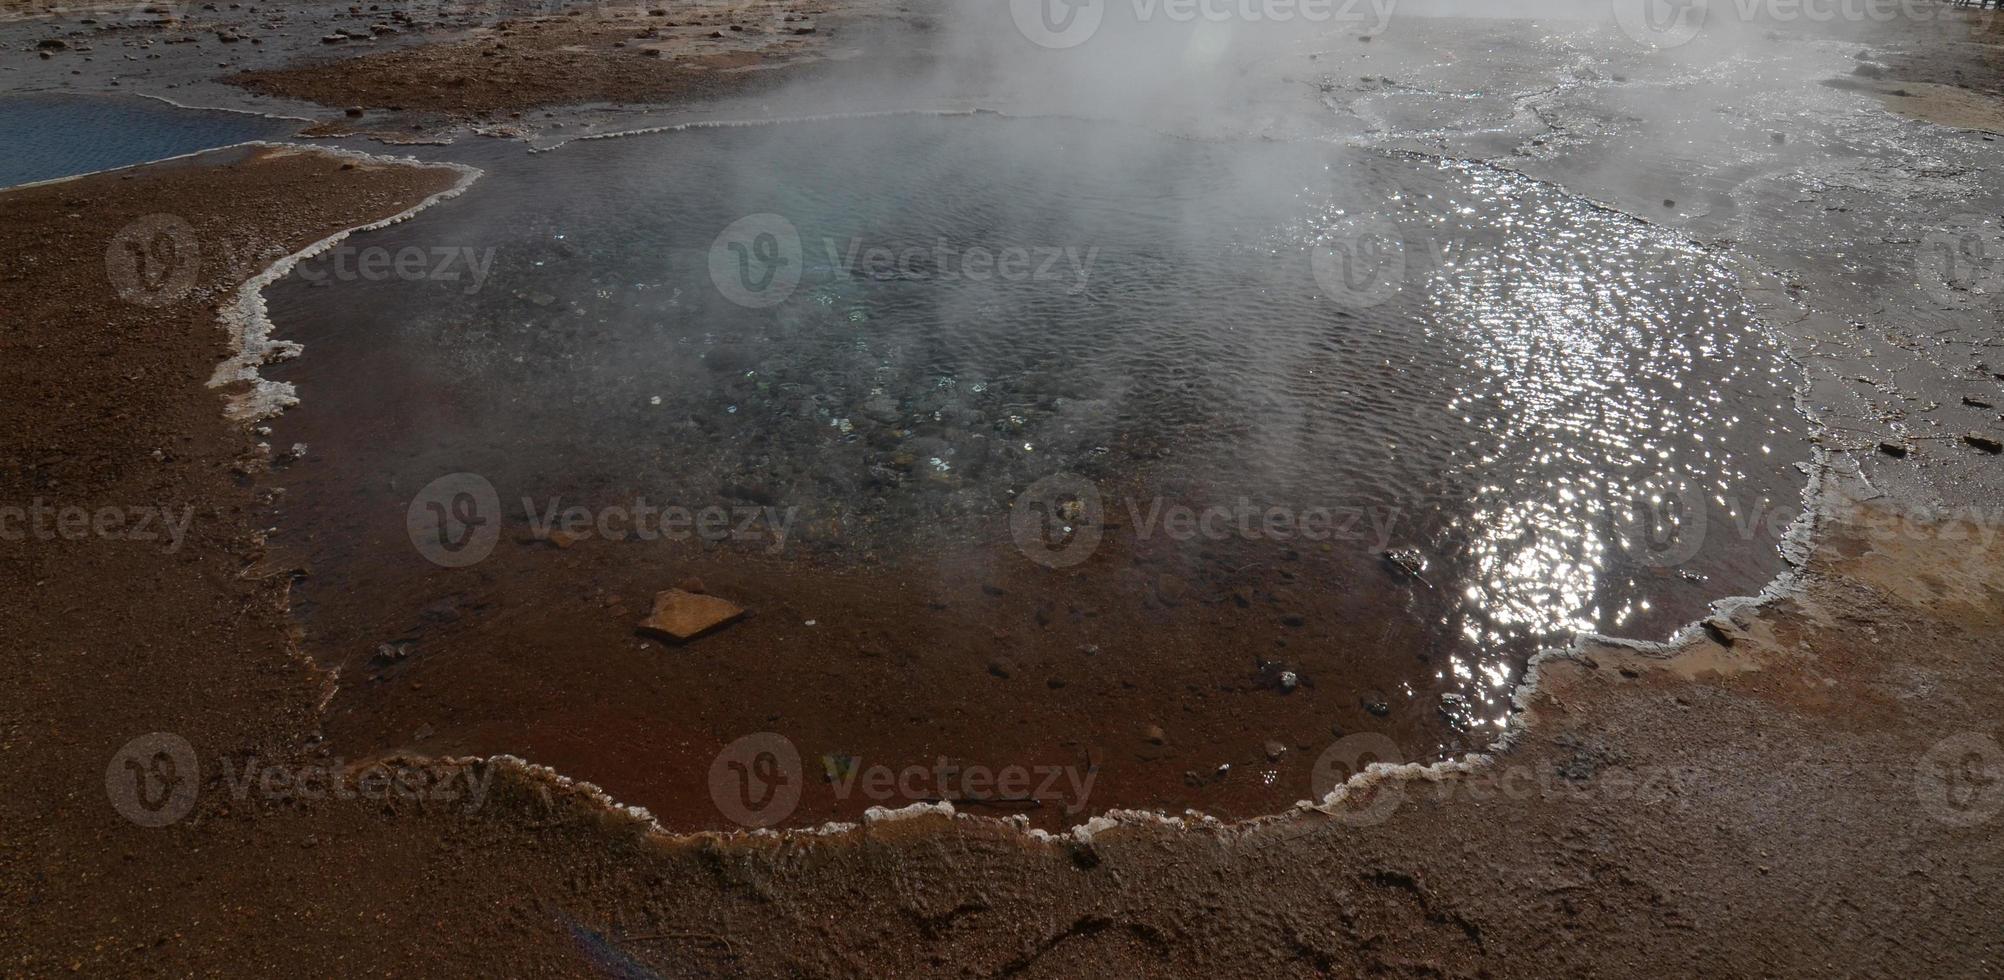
[682, 616]
[1407, 563]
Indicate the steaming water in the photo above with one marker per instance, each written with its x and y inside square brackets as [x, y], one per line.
[49, 136]
[1572, 417]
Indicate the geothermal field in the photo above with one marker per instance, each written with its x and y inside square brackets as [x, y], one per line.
[1002, 487]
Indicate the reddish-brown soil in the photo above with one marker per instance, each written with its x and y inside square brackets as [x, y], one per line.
[614, 54]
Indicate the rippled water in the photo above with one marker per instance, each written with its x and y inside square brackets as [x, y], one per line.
[49, 136]
[1558, 417]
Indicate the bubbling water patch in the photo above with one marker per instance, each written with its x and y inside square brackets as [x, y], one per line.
[1165, 459]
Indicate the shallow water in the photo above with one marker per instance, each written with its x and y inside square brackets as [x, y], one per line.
[50, 136]
[1228, 376]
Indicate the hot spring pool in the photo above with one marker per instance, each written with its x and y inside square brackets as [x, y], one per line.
[1229, 377]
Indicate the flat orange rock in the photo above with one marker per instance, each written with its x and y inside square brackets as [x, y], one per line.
[683, 616]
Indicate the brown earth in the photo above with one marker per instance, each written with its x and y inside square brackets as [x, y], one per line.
[622, 53]
[1955, 82]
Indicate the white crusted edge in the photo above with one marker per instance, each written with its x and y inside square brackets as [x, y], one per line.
[199, 108]
[678, 127]
[159, 160]
[129, 166]
[246, 320]
[1797, 540]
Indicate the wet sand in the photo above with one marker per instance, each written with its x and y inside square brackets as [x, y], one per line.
[1803, 788]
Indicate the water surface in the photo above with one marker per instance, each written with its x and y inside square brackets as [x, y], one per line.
[50, 136]
[1228, 377]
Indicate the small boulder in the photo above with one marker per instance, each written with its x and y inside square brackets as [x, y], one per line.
[1983, 442]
